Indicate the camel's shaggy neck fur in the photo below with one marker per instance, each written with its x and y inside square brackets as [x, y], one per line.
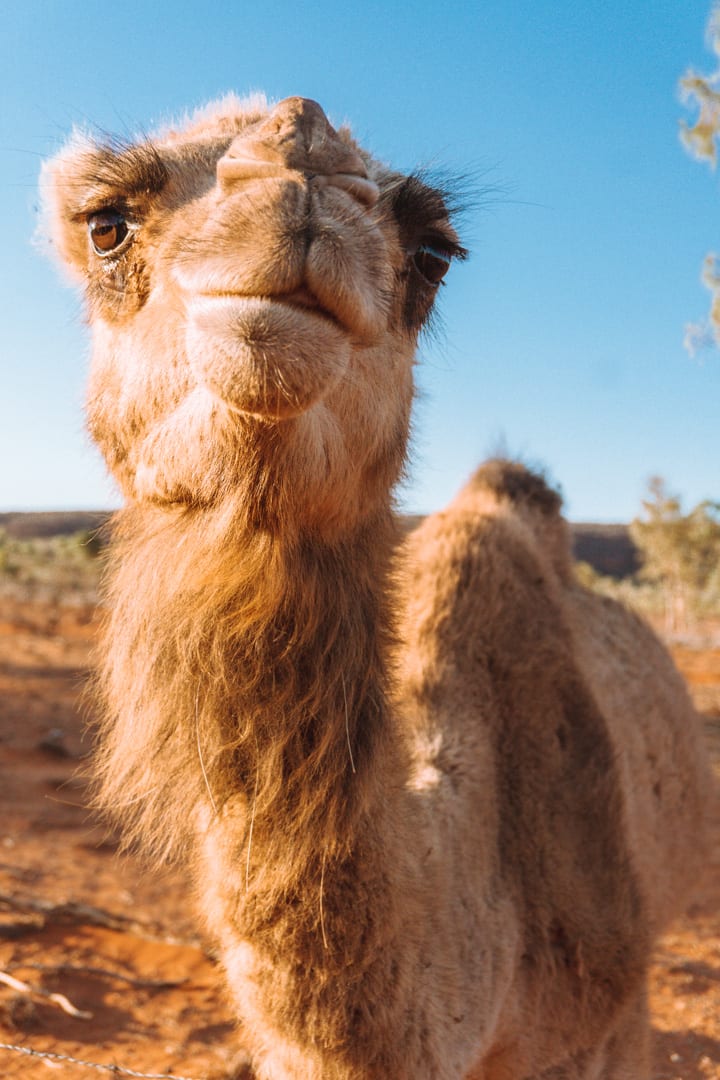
[435, 798]
[258, 667]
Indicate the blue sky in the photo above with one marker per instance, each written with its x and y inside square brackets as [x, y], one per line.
[562, 336]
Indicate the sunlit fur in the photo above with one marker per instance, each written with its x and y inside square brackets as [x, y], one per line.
[434, 798]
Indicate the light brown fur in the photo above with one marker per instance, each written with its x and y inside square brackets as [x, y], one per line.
[435, 798]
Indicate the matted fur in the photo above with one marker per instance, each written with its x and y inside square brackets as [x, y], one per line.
[435, 799]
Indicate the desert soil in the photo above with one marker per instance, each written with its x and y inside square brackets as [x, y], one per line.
[119, 942]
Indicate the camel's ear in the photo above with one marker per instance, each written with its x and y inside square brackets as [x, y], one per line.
[62, 230]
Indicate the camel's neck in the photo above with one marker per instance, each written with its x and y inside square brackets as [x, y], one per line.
[246, 720]
[309, 692]
[246, 674]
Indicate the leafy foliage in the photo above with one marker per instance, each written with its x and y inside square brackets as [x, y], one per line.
[701, 139]
[681, 554]
[678, 584]
[642, 596]
[53, 568]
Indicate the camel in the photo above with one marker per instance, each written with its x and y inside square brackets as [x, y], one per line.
[434, 799]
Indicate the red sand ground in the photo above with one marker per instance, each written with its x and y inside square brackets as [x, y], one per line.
[118, 942]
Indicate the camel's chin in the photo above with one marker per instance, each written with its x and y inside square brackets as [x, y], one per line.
[266, 357]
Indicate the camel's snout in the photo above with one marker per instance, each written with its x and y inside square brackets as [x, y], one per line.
[297, 137]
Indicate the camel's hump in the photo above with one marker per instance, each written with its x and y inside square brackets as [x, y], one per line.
[514, 481]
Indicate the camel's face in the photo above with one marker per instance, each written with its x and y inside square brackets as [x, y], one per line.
[256, 285]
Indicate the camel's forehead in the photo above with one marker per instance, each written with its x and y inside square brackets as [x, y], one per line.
[222, 117]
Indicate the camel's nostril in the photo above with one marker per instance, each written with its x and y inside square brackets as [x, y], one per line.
[363, 190]
[296, 136]
[233, 170]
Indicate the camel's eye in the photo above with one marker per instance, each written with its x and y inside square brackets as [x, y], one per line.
[108, 231]
[432, 262]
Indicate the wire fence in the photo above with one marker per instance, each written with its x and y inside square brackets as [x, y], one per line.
[73, 913]
[114, 1070]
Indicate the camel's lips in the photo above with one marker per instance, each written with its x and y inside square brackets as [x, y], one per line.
[302, 297]
[351, 303]
[305, 298]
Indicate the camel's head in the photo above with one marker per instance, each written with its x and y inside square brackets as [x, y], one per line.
[255, 284]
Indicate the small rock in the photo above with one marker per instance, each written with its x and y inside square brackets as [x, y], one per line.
[54, 743]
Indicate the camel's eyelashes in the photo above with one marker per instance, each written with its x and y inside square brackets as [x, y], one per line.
[108, 231]
[432, 263]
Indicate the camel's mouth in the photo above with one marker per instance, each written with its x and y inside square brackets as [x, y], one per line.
[269, 356]
[305, 298]
[302, 297]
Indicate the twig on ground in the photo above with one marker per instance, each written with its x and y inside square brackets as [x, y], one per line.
[57, 999]
[70, 911]
[84, 969]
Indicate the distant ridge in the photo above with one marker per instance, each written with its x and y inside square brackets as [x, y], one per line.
[608, 548]
[28, 526]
